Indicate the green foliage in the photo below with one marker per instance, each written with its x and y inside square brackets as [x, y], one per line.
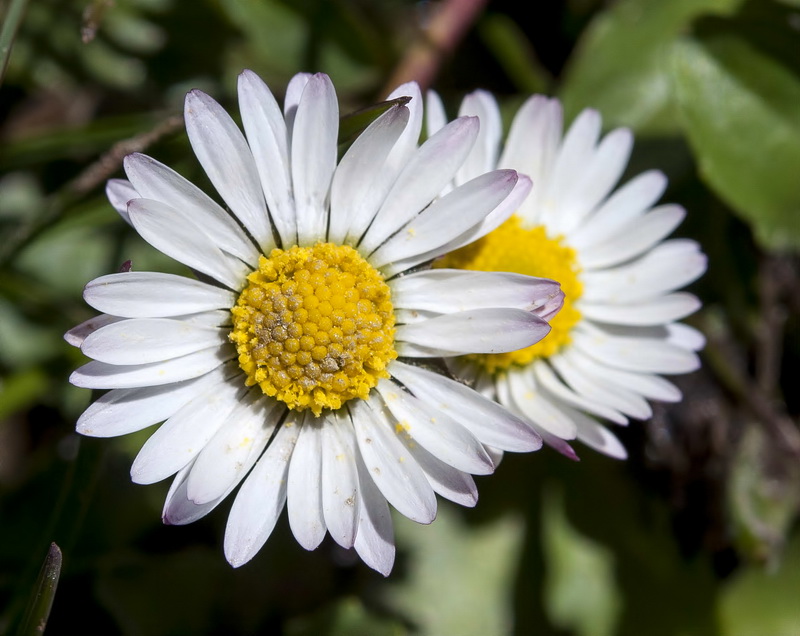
[695, 535]
[621, 65]
[738, 102]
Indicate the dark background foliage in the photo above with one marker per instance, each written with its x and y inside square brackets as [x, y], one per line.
[696, 534]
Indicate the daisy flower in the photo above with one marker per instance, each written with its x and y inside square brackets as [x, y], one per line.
[617, 333]
[281, 364]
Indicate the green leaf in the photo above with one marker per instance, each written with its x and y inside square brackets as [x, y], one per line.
[345, 617]
[763, 495]
[621, 63]
[580, 589]
[762, 602]
[514, 52]
[42, 600]
[352, 125]
[460, 578]
[19, 391]
[740, 112]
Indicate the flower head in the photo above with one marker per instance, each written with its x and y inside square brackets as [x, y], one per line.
[617, 333]
[281, 365]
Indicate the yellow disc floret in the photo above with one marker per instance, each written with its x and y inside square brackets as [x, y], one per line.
[514, 248]
[314, 327]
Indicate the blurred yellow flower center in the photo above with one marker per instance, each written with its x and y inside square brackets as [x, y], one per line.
[514, 248]
[315, 326]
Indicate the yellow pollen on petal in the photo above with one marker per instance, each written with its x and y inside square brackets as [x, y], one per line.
[314, 327]
[515, 248]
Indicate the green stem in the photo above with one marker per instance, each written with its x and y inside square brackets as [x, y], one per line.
[42, 600]
[11, 22]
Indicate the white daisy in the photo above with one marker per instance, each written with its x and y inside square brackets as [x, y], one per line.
[617, 332]
[278, 365]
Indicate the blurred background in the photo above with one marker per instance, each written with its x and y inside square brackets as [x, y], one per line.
[695, 535]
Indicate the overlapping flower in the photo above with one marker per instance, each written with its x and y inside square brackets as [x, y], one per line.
[618, 332]
[280, 365]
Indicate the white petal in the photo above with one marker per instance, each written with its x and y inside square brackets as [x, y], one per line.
[119, 192]
[123, 411]
[221, 149]
[99, 375]
[668, 266]
[648, 385]
[78, 333]
[375, 538]
[146, 340]
[313, 157]
[268, 141]
[435, 116]
[531, 148]
[294, 91]
[154, 180]
[475, 331]
[686, 337]
[633, 239]
[179, 510]
[451, 290]
[587, 179]
[451, 483]
[629, 202]
[261, 498]
[235, 447]
[359, 185]
[182, 436]
[599, 388]
[304, 492]
[529, 399]
[647, 355]
[657, 311]
[173, 233]
[445, 219]
[483, 157]
[341, 499]
[434, 430]
[396, 474]
[549, 381]
[422, 179]
[153, 295]
[407, 144]
[489, 422]
[596, 436]
[510, 205]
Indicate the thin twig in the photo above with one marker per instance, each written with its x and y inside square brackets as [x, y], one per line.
[725, 361]
[89, 179]
[110, 162]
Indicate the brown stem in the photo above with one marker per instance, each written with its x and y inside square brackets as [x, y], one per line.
[448, 26]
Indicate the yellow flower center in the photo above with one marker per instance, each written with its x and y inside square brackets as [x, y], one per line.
[514, 248]
[314, 327]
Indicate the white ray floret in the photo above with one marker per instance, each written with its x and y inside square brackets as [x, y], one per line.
[275, 371]
[622, 297]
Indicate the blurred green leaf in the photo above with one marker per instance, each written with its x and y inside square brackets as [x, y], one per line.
[758, 602]
[12, 18]
[42, 599]
[740, 111]
[621, 63]
[19, 391]
[22, 342]
[460, 577]
[346, 617]
[763, 494]
[515, 53]
[580, 589]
